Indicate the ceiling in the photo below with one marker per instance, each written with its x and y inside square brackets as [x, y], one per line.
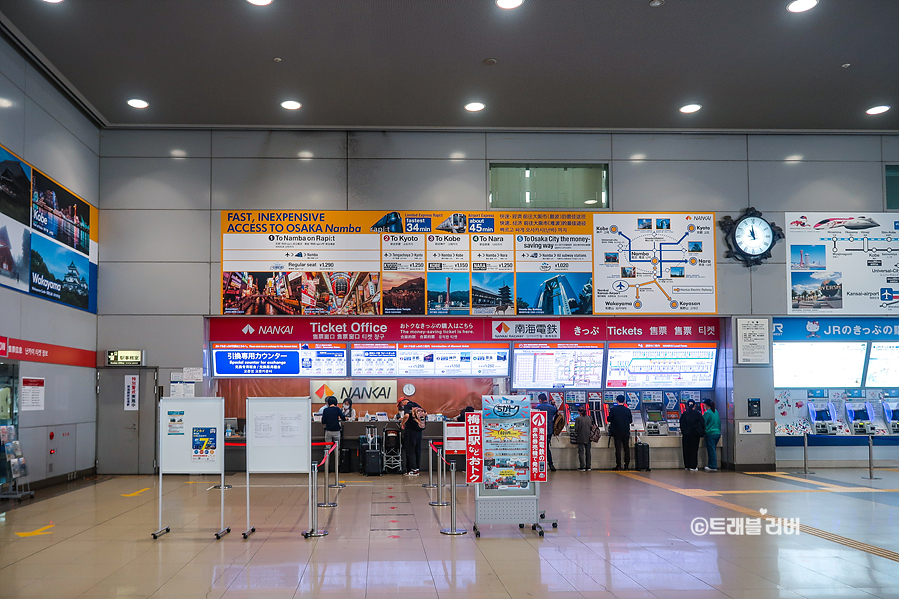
[413, 64]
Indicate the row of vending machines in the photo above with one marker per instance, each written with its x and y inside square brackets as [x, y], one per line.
[861, 417]
[836, 412]
[655, 412]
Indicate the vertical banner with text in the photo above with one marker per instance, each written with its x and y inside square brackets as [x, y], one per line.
[538, 447]
[474, 447]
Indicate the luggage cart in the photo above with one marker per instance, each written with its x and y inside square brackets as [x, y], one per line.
[393, 449]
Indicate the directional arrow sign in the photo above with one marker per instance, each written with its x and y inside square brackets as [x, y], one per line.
[39, 531]
[248, 330]
[135, 494]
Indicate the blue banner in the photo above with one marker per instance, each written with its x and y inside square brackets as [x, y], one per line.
[836, 329]
[257, 362]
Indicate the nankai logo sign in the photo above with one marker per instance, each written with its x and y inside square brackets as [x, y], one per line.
[360, 391]
[526, 329]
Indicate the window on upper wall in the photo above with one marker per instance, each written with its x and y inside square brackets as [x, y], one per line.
[892, 186]
[549, 187]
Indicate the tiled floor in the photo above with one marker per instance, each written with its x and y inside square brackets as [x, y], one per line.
[624, 535]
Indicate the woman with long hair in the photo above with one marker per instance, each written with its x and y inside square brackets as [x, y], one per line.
[712, 434]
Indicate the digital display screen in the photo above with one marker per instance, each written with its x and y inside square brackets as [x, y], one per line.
[278, 359]
[860, 414]
[883, 365]
[654, 416]
[429, 359]
[661, 365]
[829, 364]
[822, 415]
[548, 365]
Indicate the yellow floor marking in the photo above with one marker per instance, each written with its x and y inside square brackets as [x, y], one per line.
[135, 494]
[39, 531]
[823, 534]
[804, 480]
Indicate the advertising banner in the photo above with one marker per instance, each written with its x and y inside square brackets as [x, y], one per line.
[358, 390]
[32, 351]
[474, 448]
[842, 263]
[463, 263]
[836, 329]
[538, 447]
[507, 452]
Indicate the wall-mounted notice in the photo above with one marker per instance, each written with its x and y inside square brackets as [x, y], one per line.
[753, 341]
[132, 392]
[192, 374]
[278, 434]
[842, 263]
[32, 396]
[654, 263]
[174, 421]
[547, 365]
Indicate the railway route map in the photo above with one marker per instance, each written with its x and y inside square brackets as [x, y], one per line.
[842, 263]
[654, 263]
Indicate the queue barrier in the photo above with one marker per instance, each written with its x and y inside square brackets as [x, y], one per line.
[441, 468]
[314, 531]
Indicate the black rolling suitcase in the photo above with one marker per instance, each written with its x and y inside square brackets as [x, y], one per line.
[371, 461]
[641, 455]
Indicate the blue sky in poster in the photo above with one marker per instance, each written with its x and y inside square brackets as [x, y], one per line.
[7, 155]
[58, 257]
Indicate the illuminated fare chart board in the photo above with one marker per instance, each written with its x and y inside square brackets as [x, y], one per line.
[661, 365]
[278, 359]
[883, 365]
[547, 365]
[429, 359]
[814, 365]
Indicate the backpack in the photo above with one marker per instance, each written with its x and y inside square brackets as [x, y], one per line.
[559, 423]
[595, 433]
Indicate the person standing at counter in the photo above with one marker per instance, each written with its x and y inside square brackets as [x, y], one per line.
[620, 419]
[692, 427]
[465, 411]
[549, 407]
[348, 410]
[712, 434]
[582, 426]
[331, 417]
[413, 424]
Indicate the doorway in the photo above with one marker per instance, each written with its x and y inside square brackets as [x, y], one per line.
[126, 433]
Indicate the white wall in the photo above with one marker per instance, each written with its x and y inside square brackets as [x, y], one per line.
[39, 124]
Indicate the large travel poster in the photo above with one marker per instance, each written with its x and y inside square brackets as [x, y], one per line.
[842, 263]
[48, 237]
[463, 263]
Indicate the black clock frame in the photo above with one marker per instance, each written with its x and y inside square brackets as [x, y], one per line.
[729, 226]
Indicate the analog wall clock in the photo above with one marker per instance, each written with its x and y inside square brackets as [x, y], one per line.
[409, 389]
[749, 237]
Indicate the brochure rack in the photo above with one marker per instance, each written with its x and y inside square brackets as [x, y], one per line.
[16, 469]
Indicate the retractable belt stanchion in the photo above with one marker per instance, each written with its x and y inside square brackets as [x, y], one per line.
[313, 509]
[327, 502]
[452, 530]
[223, 530]
[440, 502]
[337, 484]
[430, 484]
[871, 459]
[162, 529]
[250, 529]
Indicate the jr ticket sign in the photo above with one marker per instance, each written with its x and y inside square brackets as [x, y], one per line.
[464, 263]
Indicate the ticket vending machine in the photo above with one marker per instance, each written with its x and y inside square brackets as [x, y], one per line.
[634, 403]
[823, 416]
[686, 396]
[672, 411]
[608, 400]
[654, 413]
[574, 401]
[891, 415]
[861, 417]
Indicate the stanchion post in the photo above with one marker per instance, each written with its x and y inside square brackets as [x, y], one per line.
[337, 484]
[313, 509]
[327, 502]
[223, 530]
[440, 502]
[162, 529]
[452, 530]
[430, 484]
[871, 459]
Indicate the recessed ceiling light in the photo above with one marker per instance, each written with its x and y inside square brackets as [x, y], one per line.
[475, 106]
[846, 65]
[802, 5]
[655, 3]
[877, 109]
[176, 153]
[52, 1]
[136, 103]
[290, 105]
[690, 108]
[509, 3]
[260, 2]
[591, 202]
[5, 103]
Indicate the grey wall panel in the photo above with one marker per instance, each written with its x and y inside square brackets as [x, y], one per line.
[157, 235]
[810, 186]
[395, 144]
[734, 290]
[155, 144]
[417, 185]
[155, 183]
[69, 394]
[47, 97]
[34, 448]
[278, 184]
[837, 148]
[891, 149]
[12, 116]
[671, 186]
[170, 341]
[11, 312]
[769, 289]
[12, 65]
[48, 322]
[585, 147]
[215, 288]
[279, 144]
[215, 235]
[661, 146]
[150, 288]
[85, 445]
[59, 153]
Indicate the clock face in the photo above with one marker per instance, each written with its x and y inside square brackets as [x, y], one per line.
[409, 389]
[754, 236]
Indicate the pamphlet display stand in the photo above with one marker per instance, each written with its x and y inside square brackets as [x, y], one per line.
[16, 467]
[506, 455]
[279, 437]
[191, 442]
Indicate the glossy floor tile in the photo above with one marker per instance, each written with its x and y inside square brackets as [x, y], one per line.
[658, 535]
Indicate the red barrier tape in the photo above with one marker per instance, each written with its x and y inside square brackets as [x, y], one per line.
[327, 453]
[433, 443]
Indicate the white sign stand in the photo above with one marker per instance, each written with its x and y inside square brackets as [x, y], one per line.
[191, 442]
[279, 437]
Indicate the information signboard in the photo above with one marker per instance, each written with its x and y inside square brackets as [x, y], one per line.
[278, 359]
[547, 365]
[661, 365]
[429, 359]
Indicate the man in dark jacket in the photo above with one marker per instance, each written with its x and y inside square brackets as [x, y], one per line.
[582, 426]
[620, 419]
[549, 407]
[692, 427]
[331, 417]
